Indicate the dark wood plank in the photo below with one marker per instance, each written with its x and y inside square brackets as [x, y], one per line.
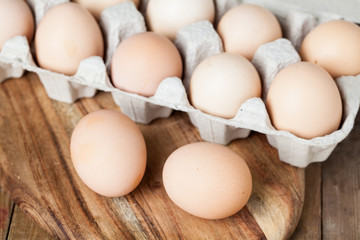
[23, 227]
[341, 189]
[37, 172]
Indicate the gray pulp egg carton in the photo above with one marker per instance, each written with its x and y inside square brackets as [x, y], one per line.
[198, 41]
[16, 56]
[195, 42]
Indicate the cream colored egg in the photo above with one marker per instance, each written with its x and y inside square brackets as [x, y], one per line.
[108, 152]
[221, 83]
[245, 27]
[334, 45]
[66, 35]
[304, 100]
[168, 16]
[142, 61]
[97, 6]
[15, 19]
[207, 180]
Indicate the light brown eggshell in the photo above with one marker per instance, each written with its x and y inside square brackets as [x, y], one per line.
[15, 19]
[142, 61]
[334, 45]
[304, 100]
[67, 34]
[108, 152]
[168, 16]
[96, 6]
[222, 82]
[245, 27]
[207, 180]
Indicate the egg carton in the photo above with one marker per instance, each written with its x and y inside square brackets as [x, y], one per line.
[195, 42]
[16, 57]
[118, 23]
[16, 54]
[252, 115]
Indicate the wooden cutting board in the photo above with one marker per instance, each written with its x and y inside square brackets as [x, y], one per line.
[36, 170]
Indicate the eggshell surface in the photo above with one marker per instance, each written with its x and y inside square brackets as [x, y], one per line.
[334, 45]
[108, 152]
[168, 16]
[142, 61]
[304, 100]
[207, 180]
[96, 6]
[67, 34]
[245, 27]
[15, 19]
[222, 82]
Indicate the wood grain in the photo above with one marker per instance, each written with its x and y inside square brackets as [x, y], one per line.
[341, 211]
[6, 208]
[22, 227]
[309, 226]
[37, 172]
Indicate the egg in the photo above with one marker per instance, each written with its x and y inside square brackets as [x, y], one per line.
[96, 7]
[168, 16]
[221, 83]
[66, 35]
[334, 45]
[108, 153]
[207, 180]
[142, 61]
[245, 27]
[304, 100]
[15, 19]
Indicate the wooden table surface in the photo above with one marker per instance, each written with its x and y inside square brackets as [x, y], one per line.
[331, 209]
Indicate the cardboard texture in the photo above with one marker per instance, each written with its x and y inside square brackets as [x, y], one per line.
[195, 42]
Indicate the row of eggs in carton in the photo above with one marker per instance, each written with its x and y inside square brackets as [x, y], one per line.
[195, 42]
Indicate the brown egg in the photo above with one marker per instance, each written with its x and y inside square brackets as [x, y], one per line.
[304, 100]
[108, 152]
[207, 180]
[168, 16]
[67, 34]
[15, 19]
[245, 27]
[142, 61]
[334, 45]
[96, 6]
[221, 83]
